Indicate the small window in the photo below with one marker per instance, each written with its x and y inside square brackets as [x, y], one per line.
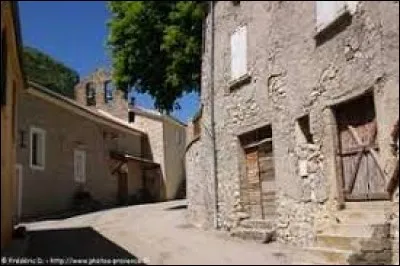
[235, 3]
[108, 91]
[239, 53]
[90, 94]
[328, 12]
[80, 166]
[4, 62]
[303, 132]
[38, 148]
[22, 139]
[131, 117]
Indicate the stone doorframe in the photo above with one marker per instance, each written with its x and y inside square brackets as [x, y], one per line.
[332, 164]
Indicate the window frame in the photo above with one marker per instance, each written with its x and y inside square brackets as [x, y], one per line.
[349, 7]
[238, 29]
[83, 155]
[42, 133]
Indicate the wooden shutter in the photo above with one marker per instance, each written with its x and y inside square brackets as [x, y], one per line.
[80, 166]
[328, 11]
[239, 53]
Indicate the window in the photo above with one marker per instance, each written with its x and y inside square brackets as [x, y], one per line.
[80, 166]
[235, 3]
[4, 62]
[38, 148]
[90, 94]
[22, 139]
[239, 53]
[302, 130]
[329, 11]
[131, 117]
[108, 91]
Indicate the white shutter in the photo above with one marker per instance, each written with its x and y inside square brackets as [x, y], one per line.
[328, 11]
[239, 53]
[80, 166]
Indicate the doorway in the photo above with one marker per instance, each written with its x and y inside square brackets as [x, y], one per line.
[363, 177]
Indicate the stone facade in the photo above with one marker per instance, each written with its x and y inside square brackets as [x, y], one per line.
[118, 106]
[161, 130]
[294, 71]
[165, 145]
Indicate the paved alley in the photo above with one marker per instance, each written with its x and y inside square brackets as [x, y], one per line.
[158, 234]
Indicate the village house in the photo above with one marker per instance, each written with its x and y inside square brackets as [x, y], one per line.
[64, 148]
[165, 136]
[12, 83]
[293, 141]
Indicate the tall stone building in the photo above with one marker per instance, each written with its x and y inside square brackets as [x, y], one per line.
[294, 141]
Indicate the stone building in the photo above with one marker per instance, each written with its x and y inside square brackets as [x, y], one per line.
[12, 84]
[293, 140]
[165, 136]
[65, 149]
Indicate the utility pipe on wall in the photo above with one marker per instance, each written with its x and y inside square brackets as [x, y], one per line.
[213, 137]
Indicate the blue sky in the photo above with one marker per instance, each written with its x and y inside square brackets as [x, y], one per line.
[75, 32]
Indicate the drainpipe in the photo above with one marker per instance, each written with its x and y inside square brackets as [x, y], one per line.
[216, 210]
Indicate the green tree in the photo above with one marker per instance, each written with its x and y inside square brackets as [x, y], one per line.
[156, 48]
[43, 69]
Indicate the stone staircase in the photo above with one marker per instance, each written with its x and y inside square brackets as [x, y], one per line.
[262, 231]
[359, 236]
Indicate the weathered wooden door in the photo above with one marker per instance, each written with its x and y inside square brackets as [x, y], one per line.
[253, 183]
[122, 187]
[363, 178]
[267, 177]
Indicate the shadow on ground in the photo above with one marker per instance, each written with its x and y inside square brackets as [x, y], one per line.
[77, 243]
[179, 207]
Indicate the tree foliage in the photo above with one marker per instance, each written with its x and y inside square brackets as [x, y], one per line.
[43, 69]
[156, 48]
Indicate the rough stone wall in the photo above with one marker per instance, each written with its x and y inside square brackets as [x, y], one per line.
[199, 155]
[51, 190]
[117, 107]
[293, 73]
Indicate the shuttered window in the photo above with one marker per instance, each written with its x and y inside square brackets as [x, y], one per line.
[3, 67]
[80, 166]
[329, 11]
[239, 53]
[38, 148]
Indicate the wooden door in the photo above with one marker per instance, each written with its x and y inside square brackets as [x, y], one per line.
[122, 187]
[363, 178]
[267, 178]
[253, 183]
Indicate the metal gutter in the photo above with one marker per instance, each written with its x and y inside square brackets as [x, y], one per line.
[213, 137]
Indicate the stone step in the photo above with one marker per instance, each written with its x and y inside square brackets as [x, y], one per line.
[262, 236]
[322, 255]
[257, 224]
[356, 230]
[368, 216]
[369, 205]
[352, 243]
